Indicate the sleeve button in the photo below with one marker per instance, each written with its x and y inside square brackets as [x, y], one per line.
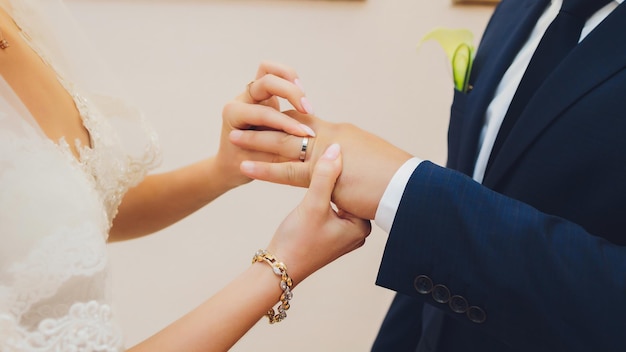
[441, 294]
[458, 304]
[476, 315]
[423, 284]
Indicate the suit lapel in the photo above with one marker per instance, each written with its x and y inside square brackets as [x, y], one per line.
[572, 79]
[507, 32]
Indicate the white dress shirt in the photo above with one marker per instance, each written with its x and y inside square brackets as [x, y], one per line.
[495, 113]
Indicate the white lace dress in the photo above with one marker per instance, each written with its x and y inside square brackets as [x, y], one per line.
[56, 211]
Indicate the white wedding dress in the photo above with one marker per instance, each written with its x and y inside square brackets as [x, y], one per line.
[56, 210]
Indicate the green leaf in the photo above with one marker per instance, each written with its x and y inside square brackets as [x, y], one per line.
[459, 48]
[461, 67]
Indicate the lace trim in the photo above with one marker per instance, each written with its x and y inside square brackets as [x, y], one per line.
[80, 251]
[88, 327]
[113, 170]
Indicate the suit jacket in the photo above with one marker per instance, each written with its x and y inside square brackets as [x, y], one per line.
[535, 258]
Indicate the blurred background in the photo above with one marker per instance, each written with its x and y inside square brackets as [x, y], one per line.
[184, 59]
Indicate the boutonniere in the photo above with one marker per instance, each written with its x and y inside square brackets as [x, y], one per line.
[459, 48]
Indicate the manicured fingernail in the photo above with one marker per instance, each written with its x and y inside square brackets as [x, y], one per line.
[247, 166]
[332, 152]
[307, 130]
[299, 84]
[236, 134]
[306, 105]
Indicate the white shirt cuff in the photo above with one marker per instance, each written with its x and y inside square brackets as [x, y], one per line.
[388, 206]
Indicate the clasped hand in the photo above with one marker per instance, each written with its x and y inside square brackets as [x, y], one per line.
[257, 137]
[274, 140]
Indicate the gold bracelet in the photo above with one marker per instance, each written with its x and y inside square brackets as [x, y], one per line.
[279, 269]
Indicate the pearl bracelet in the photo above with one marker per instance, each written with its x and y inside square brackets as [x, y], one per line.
[279, 269]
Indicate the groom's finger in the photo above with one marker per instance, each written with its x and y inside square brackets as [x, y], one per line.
[273, 142]
[294, 173]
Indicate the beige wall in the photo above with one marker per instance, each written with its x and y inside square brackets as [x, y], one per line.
[358, 63]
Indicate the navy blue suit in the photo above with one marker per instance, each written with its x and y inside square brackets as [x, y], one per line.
[535, 258]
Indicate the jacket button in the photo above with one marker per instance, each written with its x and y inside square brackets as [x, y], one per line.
[458, 304]
[423, 284]
[441, 294]
[476, 315]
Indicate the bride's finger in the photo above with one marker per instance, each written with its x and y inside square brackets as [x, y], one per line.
[244, 116]
[277, 69]
[364, 224]
[270, 85]
[325, 173]
[274, 142]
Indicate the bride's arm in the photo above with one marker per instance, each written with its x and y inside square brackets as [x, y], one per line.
[311, 236]
[219, 323]
[163, 199]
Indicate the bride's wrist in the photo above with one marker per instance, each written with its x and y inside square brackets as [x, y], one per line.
[285, 284]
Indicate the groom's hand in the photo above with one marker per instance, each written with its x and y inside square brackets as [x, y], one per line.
[369, 161]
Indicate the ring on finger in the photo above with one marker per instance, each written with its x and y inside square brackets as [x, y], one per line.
[248, 88]
[303, 147]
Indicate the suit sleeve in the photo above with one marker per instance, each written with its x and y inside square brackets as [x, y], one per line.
[525, 277]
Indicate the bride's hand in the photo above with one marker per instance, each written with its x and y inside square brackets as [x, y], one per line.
[314, 234]
[257, 107]
[275, 81]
